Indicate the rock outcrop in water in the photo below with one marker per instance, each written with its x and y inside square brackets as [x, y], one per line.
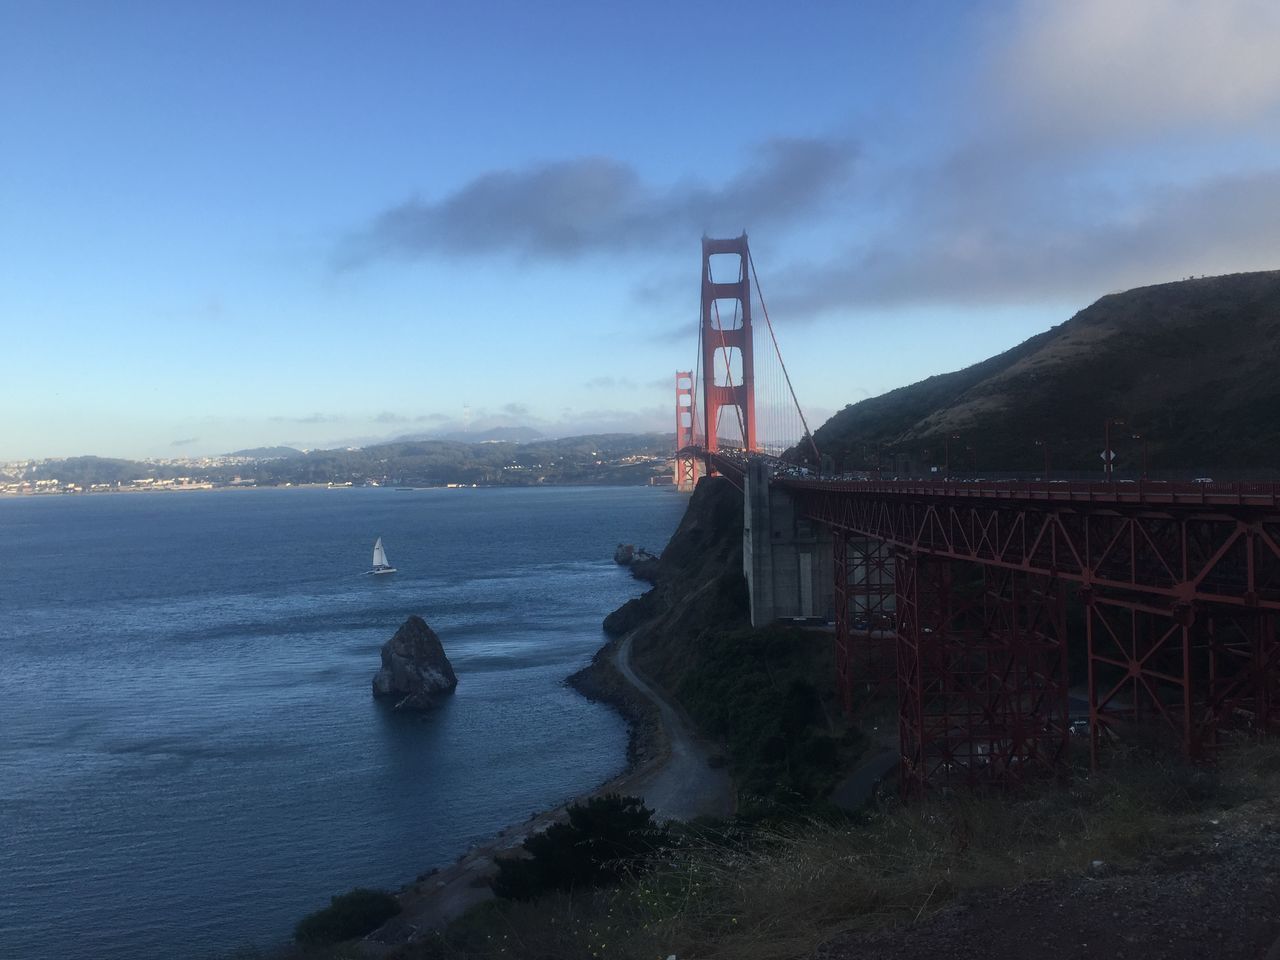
[415, 673]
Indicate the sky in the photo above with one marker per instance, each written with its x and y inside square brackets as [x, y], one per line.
[233, 224]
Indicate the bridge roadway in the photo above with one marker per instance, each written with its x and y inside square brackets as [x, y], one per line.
[1187, 542]
[1180, 584]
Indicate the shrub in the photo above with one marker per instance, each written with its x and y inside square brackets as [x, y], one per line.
[349, 915]
[599, 845]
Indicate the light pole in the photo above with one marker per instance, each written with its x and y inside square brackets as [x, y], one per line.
[1138, 436]
[1043, 443]
[1108, 455]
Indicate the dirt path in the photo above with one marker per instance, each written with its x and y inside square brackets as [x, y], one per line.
[678, 786]
[685, 786]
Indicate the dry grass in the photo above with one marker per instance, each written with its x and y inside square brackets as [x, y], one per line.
[779, 893]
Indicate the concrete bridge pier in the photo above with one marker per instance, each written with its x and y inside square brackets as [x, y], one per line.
[787, 559]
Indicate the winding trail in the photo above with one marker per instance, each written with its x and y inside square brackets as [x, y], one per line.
[678, 786]
[685, 785]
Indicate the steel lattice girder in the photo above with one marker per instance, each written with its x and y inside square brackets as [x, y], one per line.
[1244, 668]
[1196, 669]
[981, 672]
[840, 597]
[1183, 556]
[864, 617]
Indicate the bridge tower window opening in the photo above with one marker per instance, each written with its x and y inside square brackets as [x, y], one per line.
[728, 367]
[726, 315]
[725, 268]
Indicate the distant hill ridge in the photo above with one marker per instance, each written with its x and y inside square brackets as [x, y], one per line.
[595, 458]
[1192, 366]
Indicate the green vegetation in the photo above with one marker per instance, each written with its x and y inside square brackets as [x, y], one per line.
[1186, 365]
[778, 892]
[606, 458]
[757, 690]
[605, 840]
[349, 915]
[766, 694]
[596, 459]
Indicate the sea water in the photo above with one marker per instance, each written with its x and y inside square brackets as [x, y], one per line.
[190, 756]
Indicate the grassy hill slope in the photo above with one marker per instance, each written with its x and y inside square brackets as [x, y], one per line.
[1190, 366]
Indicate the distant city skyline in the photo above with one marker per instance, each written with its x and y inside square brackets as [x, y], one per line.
[226, 226]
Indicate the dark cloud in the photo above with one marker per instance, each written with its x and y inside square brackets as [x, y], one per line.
[610, 383]
[184, 443]
[569, 208]
[972, 243]
[516, 409]
[386, 416]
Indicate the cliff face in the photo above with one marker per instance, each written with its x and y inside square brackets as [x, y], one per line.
[702, 560]
[1190, 366]
[767, 695]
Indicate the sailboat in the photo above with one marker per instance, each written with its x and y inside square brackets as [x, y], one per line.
[380, 564]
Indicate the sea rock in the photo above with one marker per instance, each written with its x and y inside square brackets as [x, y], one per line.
[415, 672]
[643, 564]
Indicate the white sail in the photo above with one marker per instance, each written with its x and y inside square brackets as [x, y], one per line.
[379, 555]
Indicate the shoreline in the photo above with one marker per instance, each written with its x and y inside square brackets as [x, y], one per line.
[215, 488]
[444, 893]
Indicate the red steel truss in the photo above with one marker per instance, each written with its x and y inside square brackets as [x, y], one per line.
[982, 673]
[1194, 668]
[864, 618]
[1181, 589]
[1180, 552]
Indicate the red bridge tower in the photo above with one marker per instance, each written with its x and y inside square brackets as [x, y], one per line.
[686, 467]
[726, 344]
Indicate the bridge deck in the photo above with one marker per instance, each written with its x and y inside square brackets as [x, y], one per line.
[1124, 492]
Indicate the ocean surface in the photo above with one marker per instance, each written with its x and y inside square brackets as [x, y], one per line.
[190, 757]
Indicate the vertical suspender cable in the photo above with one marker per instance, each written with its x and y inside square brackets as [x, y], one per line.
[765, 310]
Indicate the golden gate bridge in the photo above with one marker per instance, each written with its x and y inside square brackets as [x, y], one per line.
[954, 597]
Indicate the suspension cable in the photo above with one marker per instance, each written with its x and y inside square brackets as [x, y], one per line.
[768, 323]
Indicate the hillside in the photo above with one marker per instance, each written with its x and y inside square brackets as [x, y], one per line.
[764, 694]
[613, 458]
[1189, 366]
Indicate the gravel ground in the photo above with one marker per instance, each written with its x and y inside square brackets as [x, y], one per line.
[1217, 897]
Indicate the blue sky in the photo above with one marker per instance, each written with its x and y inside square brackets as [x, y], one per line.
[233, 224]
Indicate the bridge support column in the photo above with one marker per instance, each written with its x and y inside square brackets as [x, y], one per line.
[1244, 669]
[757, 543]
[864, 618]
[1140, 669]
[1195, 669]
[844, 642]
[982, 673]
[786, 559]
